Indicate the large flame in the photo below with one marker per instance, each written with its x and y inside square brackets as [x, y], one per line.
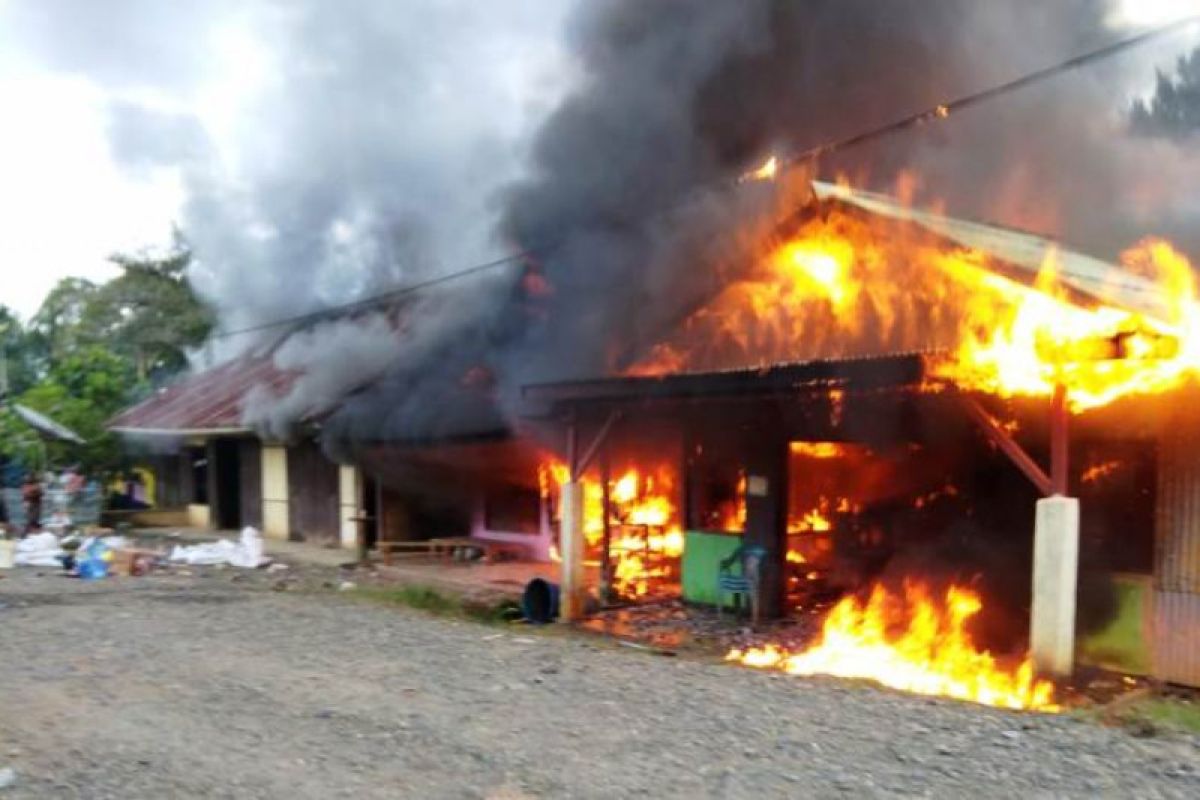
[646, 538]
[911, 643]
[844, 285]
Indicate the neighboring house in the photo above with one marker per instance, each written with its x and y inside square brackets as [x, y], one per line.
[463, 481]
[217, 468]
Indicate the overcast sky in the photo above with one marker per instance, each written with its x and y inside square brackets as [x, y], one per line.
[118, 113]
[123, 117]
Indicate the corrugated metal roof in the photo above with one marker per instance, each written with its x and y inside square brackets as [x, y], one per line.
[46, 426]
[205, 402]
[1091, 276]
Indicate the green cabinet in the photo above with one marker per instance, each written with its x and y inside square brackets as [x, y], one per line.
[702, 554]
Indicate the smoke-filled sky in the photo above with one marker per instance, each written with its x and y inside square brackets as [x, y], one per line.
[310, 150]
[314, 150]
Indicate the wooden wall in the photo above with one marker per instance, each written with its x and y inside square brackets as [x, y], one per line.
[312, 495]
[250, 477]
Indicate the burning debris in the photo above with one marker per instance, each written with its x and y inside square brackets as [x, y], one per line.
[641, 540]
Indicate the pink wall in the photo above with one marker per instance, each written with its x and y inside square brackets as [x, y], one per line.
[537, 544]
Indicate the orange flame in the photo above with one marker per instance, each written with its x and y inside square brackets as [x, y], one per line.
[845, 286]
[647, 540]
[911, 644]
[1096, 472]
[764, 172]
[817, 449]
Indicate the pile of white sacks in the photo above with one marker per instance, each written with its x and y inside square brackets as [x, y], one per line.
[247, 552]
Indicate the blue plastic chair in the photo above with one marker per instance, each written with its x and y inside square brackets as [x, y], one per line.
[747, 560]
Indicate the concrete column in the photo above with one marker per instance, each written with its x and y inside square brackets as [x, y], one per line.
[572, 591]
[275, 513]
[349, 504]
[1055, 577]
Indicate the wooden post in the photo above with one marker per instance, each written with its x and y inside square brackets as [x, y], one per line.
[605, 555]
[1055, 557]
[572, 591]
[766, 512]
[1059, 444]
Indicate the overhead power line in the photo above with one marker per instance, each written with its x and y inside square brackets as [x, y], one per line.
[938, 112]
[375, 300]
[943, 110]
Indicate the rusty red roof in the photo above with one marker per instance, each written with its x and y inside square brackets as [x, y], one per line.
[205, 402]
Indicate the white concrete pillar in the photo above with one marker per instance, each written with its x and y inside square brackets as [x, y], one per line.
[349, 504]
[1055, 576]
[275, 501]
[572, 592]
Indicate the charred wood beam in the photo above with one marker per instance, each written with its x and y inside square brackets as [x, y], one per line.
[1010, 447]
[1059, 447]
[588, 455]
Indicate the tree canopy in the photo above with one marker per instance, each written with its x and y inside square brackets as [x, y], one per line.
[92, 349]
[1174, 109]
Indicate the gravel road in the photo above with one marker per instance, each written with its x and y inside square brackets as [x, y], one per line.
[212, 685]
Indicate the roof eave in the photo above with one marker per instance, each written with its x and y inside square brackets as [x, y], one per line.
[236, 431]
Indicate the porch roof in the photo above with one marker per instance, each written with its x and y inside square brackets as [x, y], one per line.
[875, 372]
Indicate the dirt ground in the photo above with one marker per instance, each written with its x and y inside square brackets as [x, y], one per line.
[215, 685]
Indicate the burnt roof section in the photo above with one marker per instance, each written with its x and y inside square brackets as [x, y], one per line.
[875, 372]
[1094, 279]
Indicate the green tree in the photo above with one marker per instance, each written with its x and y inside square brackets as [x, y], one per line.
[93, 349]
[57, 327]
[1174, 109]
[17, 365]
[149, 313]
[82, 392]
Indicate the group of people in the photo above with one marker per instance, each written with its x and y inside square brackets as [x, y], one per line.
[70, 483]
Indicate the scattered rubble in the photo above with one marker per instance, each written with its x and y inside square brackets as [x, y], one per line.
[671, 625]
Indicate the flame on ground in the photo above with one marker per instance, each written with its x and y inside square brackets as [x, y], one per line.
[913, 644]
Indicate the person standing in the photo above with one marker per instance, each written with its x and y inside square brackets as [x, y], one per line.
[32, 493]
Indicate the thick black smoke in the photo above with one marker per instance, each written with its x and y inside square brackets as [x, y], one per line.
[632, 209]
[370, 147]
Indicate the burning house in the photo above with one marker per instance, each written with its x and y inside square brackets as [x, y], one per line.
[880, 403]
[877, 402]
[697, 352]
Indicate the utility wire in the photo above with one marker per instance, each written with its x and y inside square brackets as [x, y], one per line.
[933, 114]
[375, 300]
[944, 110]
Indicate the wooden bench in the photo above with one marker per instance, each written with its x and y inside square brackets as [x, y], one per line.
[386, 549]
[493, 551]
[447, 546]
